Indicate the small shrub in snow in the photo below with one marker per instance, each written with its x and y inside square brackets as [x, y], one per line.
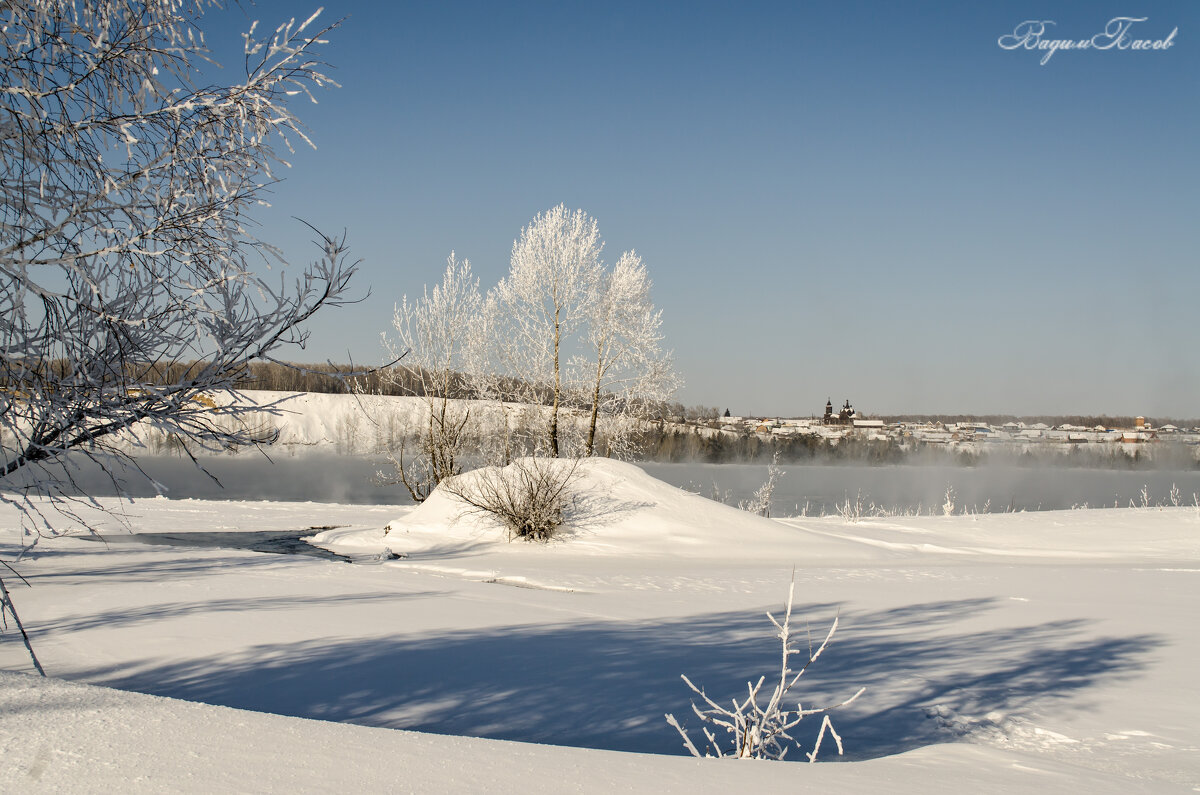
[852, 511]
[760, 502]
[755, 731]
[948, 505]
[529, 496]
[717, 495]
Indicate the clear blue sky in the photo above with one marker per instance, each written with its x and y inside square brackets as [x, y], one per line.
[864, 200]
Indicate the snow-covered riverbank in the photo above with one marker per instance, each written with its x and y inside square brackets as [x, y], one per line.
[1050, 651]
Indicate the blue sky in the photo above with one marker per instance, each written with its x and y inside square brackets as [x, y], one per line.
[863, 200]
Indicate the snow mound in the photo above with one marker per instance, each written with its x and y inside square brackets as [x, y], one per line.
[614, 508]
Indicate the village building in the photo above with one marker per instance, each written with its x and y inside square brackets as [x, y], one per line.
[844, 417]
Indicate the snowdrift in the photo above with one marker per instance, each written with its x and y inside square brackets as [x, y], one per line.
[65, 737]
[615, 509]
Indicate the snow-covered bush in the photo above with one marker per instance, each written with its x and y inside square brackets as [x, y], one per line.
[757, 731]
[529, 496]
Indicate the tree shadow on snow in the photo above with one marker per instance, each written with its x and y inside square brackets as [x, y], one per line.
[139, 566]
[158, 611]
[608, 684]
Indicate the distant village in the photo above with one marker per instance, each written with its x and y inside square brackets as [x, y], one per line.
[847, 424]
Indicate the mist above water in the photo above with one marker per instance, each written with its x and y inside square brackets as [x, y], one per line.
[311, 477]
[802, 489]
[815, 490]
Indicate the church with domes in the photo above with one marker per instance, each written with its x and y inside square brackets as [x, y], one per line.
[844, 417]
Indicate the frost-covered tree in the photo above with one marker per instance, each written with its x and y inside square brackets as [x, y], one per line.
[441, 340]
[555, 268]
[126, 181]
[624, 369]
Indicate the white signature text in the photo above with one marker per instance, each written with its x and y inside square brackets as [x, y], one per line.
[1035, 34]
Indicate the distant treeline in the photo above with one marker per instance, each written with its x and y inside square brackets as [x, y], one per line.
[321, 378]
[330, 378]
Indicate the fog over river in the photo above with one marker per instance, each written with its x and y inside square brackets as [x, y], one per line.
[810, 489]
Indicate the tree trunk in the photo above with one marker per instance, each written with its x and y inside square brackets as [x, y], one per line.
[591, 437]
[557, 390]
[6, 604]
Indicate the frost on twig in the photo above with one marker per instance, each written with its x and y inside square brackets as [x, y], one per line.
[444, 334]
[760, 502]
[134, 294]
[753, 729]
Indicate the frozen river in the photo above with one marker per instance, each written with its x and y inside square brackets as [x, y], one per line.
[807, 489]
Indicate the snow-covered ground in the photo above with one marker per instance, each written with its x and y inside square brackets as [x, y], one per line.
[1040, 651]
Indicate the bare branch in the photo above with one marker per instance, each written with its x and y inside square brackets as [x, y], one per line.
[133, 297]
[762, 731]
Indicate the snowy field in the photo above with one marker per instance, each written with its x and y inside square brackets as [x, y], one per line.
[1049, 652]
